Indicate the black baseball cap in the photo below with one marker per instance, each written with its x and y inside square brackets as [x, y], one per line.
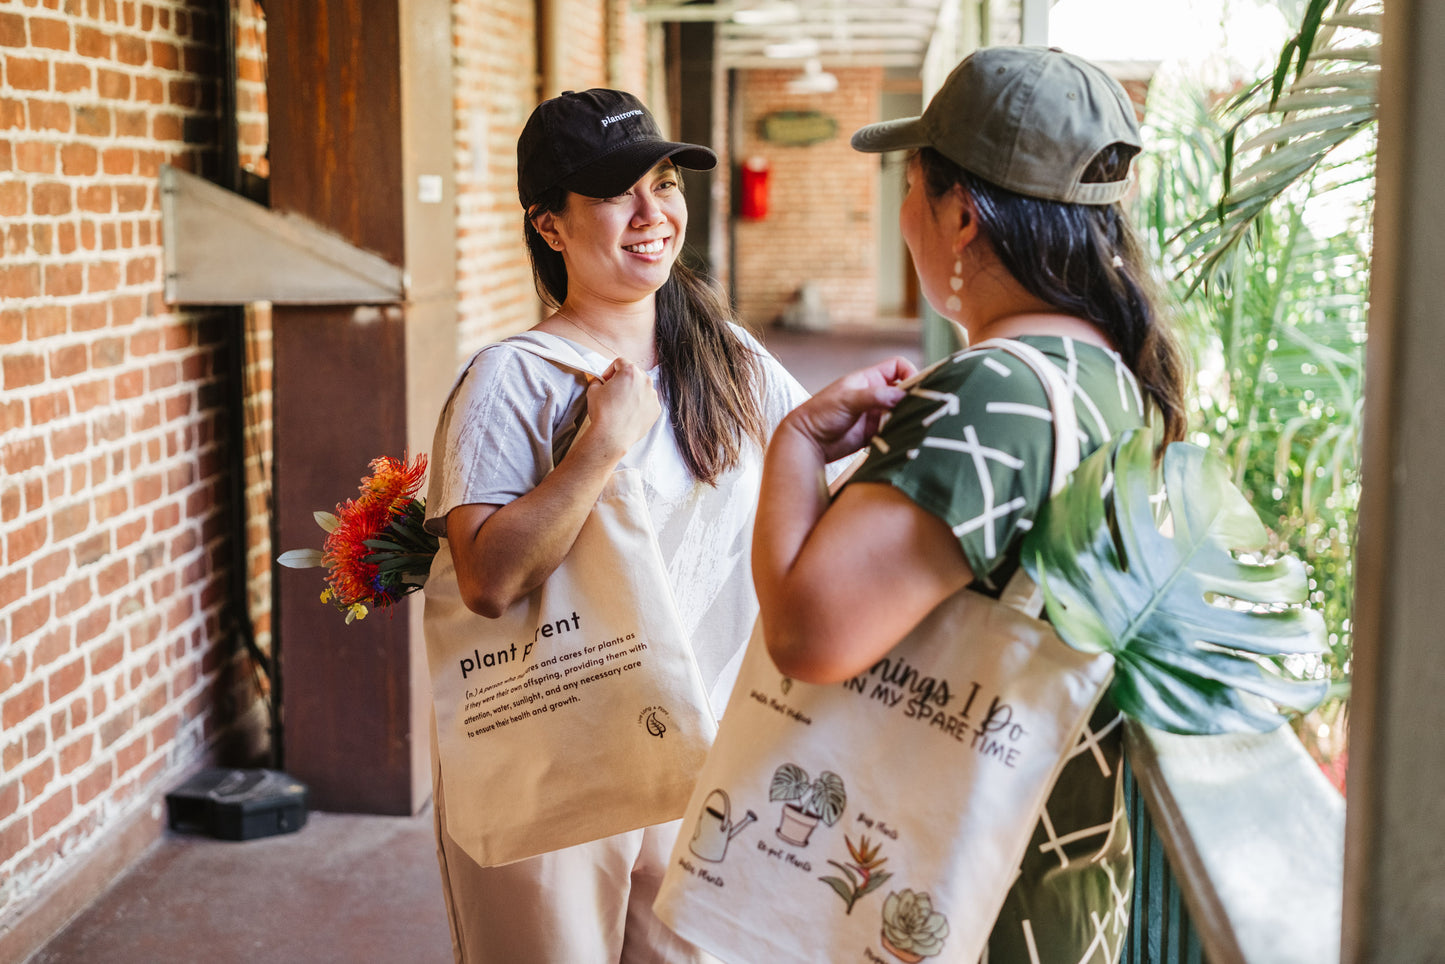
[597, 143]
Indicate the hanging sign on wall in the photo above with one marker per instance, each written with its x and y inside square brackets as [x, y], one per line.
[797, 128]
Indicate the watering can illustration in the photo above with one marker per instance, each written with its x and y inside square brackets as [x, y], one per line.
[715, 827]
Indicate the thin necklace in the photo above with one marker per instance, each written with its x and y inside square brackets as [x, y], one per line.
[588, 332]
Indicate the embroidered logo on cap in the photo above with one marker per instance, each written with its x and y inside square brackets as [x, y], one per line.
[617, 117]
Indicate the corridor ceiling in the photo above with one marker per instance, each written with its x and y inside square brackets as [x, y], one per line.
[789, 33]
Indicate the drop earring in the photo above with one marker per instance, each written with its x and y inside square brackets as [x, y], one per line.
[956, 284]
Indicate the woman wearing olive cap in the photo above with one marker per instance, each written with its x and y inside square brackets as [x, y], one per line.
[1013, 220]
[605, 221]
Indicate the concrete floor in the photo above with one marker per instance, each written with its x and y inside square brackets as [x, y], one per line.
[346, 889]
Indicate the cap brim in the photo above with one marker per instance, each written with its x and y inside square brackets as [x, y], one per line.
[614, 173]
[903, 134]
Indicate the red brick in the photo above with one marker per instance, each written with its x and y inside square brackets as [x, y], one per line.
[49, 407]
[70, 78]
[51, 812]
[25, 73]
[70, 521]
[92, 625]
[130, 50]
[13, 839]
[91, 394]
[92, 550]
[49, 34]
[131, 755]
[50, 198]
[22, 370]
[12, 114]
[88, 317]
[53, 646]
[63, 682]
[131, 123]
[111, 579]
[167, 127]
[112, 84]
[23, 704]
[45, 321]
[35, 157]
[49, 568]
[119, 160]
[94, 784]
[95, 198]
[116, 727]
[79, 159]
[93, 121]
[76, 754]
[48, 115]
[9, 802]
[164, 55]
[131, 197]
[68, 441]
[12, 588]
[14, 198]
[9, 503]
[62, 280]
[65, 237]
[107, 352]
[103, 276]
[90, 42]
[70, 360]
[12, 34]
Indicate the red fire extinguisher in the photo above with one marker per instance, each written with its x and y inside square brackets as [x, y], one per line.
[753, 200]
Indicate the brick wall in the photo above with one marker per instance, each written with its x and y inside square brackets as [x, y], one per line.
[114, 671]
[822, 220]
[495, 52]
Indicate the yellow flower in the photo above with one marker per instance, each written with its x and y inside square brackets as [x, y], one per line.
[326, 595]
[355, 611]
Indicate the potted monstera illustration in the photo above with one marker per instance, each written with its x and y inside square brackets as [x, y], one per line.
[808, 801]
[912, 929]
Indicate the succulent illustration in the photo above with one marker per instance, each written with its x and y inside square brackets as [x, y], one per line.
[863, 875]
[912, 929]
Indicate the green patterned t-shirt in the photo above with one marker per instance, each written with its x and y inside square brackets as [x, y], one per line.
[972, 443]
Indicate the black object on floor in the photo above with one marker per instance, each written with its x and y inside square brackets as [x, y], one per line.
[238, 804]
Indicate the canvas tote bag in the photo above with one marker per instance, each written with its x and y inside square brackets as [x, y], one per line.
[580, 712]
[883, 819]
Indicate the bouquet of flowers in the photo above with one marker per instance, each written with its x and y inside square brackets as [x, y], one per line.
[376, 551]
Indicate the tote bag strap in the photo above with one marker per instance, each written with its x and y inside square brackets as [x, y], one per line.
[1021, 593]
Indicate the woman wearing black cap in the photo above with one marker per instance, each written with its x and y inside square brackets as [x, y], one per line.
[605, 221]
[1013, 222]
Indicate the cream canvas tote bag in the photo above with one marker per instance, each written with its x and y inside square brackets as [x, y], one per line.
[883, 819]
[580, 712]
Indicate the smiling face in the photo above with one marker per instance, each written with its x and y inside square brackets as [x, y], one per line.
[621, 248]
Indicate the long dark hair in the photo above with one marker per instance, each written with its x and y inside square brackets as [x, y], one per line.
[710, 379]
[1083, 260]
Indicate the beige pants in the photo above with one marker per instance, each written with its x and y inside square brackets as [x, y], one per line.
[590, 904]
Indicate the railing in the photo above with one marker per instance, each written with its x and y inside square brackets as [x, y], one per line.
[1239, 851]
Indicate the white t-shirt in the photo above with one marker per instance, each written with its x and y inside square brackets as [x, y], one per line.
[512, 413]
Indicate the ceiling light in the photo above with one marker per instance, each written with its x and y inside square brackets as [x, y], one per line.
[813, 80]
[769, 11]
[792, 49]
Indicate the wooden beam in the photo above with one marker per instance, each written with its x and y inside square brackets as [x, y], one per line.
[1395, 850]
[222, 249]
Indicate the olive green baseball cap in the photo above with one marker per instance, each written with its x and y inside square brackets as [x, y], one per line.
[1029, 119]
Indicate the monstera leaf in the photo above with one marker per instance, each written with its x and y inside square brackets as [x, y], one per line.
[1189, 623]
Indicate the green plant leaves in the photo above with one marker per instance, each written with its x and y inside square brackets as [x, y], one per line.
[1194, 629]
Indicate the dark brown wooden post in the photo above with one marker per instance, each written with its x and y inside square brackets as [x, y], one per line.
[360, 101]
